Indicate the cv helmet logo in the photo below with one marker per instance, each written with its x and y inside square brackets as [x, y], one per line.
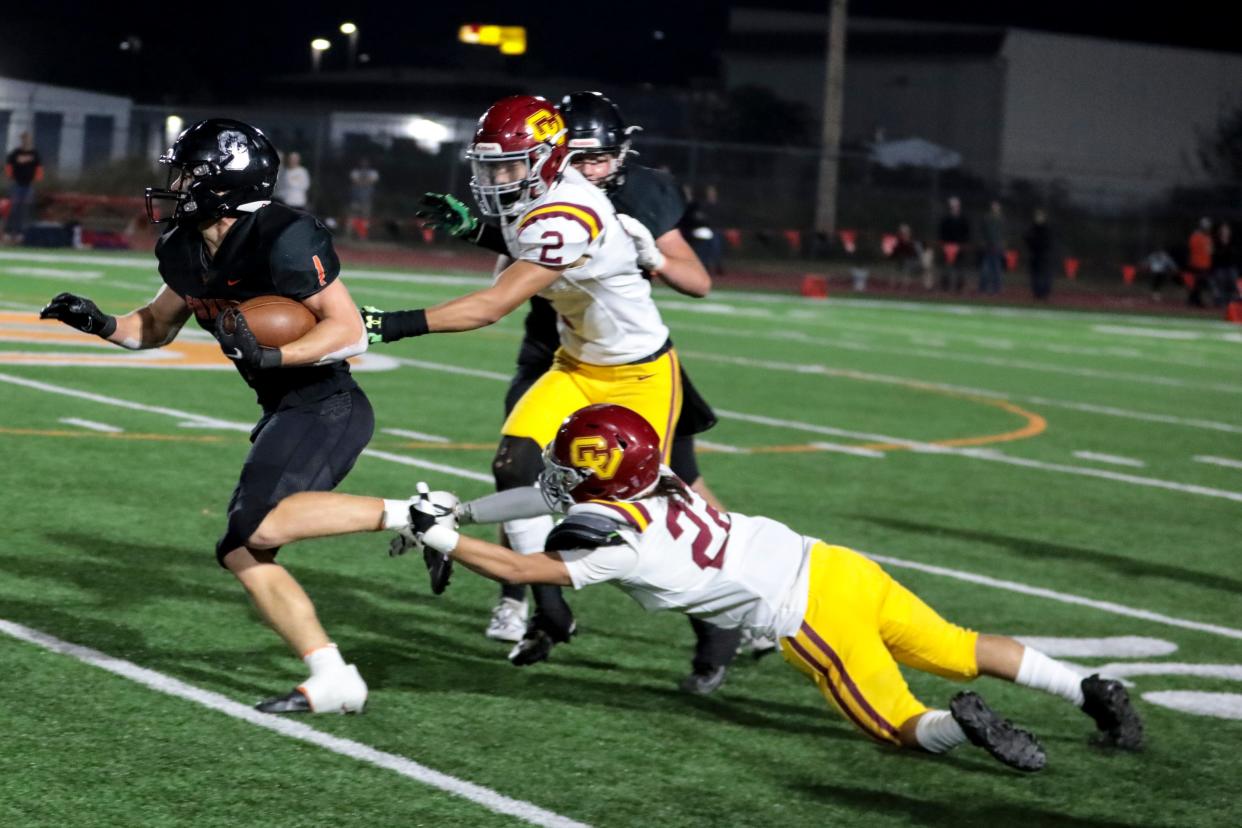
[546, 125]
[595, 454]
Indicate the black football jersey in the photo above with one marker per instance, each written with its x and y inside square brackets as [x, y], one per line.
[274, 251]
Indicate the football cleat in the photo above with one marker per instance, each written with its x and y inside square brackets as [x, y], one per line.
[1107, 702]
[700, 683]
[338, 691]
[508, 621]
[439, 569]
[535, 646]
[1015, 747]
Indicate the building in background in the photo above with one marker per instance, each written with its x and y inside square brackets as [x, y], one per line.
[73, 129]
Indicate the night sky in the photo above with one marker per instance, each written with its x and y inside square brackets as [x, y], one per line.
[215, 52]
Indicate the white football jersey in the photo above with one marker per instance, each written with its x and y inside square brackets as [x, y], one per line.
[728, 569]
[605, 312]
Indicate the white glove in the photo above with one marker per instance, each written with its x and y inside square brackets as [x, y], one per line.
[649, 255]
[440, 504]
[433, 520]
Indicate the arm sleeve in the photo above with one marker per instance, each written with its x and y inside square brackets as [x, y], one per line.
[490, 237]
[596, 566]
[511, 504]
[303, 260]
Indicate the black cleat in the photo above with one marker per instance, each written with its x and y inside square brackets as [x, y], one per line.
[703, 683]
[536, 645]
[1107, 701]
[1011, 745]
[439, 569]
[294, 701]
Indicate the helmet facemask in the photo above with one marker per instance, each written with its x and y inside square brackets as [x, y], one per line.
[505, 183]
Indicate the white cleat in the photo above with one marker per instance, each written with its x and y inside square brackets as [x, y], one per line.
[508, 621]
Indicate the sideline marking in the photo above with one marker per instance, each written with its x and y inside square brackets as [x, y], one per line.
[1115, 459]
[1218, 461]
[161, 683]
[1012, 586]
[92, 425]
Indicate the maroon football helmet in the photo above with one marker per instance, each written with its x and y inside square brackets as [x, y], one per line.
[517, 152]
[602, 452]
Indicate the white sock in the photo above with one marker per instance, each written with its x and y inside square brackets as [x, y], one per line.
[396, 514]
[527, 535]
[1051, 676]
[323, 660]
[937, 732]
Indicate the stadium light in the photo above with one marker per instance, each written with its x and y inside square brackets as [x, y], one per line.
[318, 46]
[428, 134]
[350, 30]
[172, 128]
[511, 40]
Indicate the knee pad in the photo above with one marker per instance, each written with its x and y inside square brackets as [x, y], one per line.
[518, 462]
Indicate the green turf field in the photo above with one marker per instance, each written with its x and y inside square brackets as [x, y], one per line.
[1033, 473]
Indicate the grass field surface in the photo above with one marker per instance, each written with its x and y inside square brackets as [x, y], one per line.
[1070, 476]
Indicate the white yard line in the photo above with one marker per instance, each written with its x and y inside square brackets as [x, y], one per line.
[1218, 461]
[857, 452]
[292, 729]
[724, 448]
[91, 425]
[416, 435]
[1114, 459]
[59, 274]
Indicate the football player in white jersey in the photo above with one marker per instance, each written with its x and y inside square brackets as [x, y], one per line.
[841, 619]
[567, 246]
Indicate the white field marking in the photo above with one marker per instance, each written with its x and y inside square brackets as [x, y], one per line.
[1132, 330]
[889, 379]
[228, 425]
[1011, 586]
[715, 308]
[453, 369]
[92, 425]
[1129, 669]
[1218, 461]
[1114, 459]
[971, 359]
[1220, 705]
[857, 452]
[161, 683]
[53, 273]
[725, 448]
[416, 435]
[1062, 597]
[214, 425]
[1118, 646]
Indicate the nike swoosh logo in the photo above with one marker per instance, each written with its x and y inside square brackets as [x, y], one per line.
[644, 377]
[237, 354]
[231, 282]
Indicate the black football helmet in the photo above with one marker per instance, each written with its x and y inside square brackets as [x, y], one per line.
[214, 167]
[595, 126]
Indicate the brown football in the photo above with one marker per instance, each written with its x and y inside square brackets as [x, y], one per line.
[277, 320]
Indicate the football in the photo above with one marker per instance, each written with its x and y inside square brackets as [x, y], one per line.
[277, 320]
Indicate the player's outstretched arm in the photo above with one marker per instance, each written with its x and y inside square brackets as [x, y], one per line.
[682, 270]
[488, 559]
[339, 335]
[151, 326]
[516, 284]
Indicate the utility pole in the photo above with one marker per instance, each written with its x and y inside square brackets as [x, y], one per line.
[830, 140]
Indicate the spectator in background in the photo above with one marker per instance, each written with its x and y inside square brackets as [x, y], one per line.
[1039, 246]
[696, 226]
[954, 242]
[992, 263]
[362, 181]
[294, 182]
[1199, 260]
[23, 168]
[907, 255]
[1223, 281]
[1161, 267]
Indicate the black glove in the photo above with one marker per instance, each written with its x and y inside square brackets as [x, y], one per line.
[81, 313]
[448, 213]
[423, 516]
[239, 344]
[392, 326]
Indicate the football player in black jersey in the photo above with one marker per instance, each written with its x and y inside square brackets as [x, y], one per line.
[227, 243]
[650, 206]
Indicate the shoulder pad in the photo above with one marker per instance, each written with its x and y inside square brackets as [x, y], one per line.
[584, 531]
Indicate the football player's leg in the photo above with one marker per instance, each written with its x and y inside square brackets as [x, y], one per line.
[519, 460]
[653, 389]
